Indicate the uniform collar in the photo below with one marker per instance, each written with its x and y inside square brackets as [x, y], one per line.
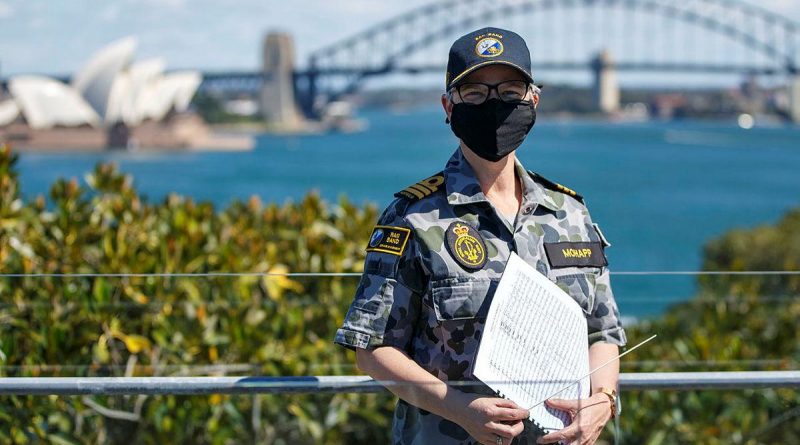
[463, 188]
[460, 182]
[534, 193]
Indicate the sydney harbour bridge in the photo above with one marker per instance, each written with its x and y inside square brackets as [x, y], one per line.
[606, 39]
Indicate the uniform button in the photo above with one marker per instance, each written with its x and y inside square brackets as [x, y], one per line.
[527, 210]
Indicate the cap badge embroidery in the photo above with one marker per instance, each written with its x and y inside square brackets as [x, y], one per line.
[489, 47]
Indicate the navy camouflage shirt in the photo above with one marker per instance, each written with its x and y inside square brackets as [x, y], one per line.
[434, 261]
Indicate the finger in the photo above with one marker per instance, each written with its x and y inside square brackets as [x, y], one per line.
[501, 429]
[510, 415]
[500, 413]
[567, 434]
[506, 403]
[562, 404]
[517, 428]
[549, 438]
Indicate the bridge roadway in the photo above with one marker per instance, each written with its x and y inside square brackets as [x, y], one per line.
[538, 66]
[253, 75]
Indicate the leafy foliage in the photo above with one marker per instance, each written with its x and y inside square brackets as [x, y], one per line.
[282, 326]
[253, 325]
[736, 323]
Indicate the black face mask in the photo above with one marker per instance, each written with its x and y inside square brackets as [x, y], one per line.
[494, 128]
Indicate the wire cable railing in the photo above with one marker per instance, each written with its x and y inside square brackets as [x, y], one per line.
[301, 302]
[67, 386]
[358, 274]
[186, 379]
[155, 370]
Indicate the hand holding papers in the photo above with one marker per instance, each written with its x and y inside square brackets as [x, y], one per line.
[534, 344]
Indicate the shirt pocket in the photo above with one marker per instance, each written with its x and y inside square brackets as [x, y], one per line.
[578, 283]
[461, 298]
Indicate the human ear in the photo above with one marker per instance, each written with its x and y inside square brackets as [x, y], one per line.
[447, 106]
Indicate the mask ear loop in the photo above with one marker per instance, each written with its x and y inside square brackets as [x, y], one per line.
[450, 98]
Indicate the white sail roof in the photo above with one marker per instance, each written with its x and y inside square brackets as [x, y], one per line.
[118, 99]
[46, 102]
[142, 75]
[108, 89]
[186, 84]
[96, 79]
[8, 112]
[172, 91]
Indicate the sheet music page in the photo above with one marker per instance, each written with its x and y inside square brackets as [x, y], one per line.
[534, 344]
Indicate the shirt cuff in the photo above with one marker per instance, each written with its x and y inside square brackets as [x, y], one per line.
[351, 339]
[614, 336]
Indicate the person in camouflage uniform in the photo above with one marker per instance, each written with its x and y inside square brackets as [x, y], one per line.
[434, 261]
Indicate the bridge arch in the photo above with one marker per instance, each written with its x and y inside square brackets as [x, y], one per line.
[376, 50]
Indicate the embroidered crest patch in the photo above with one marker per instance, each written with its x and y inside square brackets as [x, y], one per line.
[466, 245]
[388, 239]
[489, 47]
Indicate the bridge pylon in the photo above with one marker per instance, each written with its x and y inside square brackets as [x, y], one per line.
[794, 97]
[277, 91]
[606, 86]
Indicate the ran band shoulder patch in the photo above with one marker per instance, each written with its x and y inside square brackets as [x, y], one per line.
[466, 246]
[423, 188]
[388, 239]
[568, 254]
[555, 186]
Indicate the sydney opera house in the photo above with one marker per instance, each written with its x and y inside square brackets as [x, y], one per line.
[112, 102]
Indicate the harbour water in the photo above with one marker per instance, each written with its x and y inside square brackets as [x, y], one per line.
[658, 190]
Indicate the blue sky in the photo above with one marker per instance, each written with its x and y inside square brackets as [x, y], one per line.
[57, 37]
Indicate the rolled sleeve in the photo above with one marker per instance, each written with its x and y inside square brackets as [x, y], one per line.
[386, 306]
[604, 322]
[382, 314]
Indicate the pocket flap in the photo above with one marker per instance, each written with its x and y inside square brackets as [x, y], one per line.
[459, 298]
[579, 285]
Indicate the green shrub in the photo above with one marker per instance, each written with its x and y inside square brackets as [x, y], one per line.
[137, 326]
[282, 326]
[735, 323]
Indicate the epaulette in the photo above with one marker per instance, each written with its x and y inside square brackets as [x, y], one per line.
[555, 186]
[423, 188]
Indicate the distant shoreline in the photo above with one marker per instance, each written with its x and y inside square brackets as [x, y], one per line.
[178, 132]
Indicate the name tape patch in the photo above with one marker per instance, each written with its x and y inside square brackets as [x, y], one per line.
[567, 254]
[388, 239]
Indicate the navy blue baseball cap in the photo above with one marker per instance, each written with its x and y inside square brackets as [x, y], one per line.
[483, 47]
